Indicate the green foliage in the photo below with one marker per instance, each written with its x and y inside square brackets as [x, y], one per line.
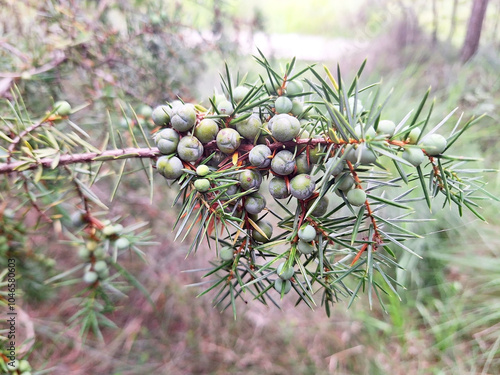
[357, 195]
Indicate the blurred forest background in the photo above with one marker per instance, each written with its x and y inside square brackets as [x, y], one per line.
[102, 55]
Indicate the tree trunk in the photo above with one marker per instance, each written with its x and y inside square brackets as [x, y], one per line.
[476, 19]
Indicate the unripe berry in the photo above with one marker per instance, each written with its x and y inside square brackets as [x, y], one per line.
[167, 141]
[202, 170]
[100, 266]
[285, 273]
[414, 135]
[226, 253]
[339, 166]
[307, 233]
[369, 133]
[122, 243]
[228, 140]
[434, 144]
[169, 167]
[414, 156]
[90, 277]
[63, 108]
[278, 189]
[386, 127]
[272, 86]
[346, 181]
[259, 156]
[283, 163]
[190, 148]
[225, 108]
[356, 197]
[297, 107]
[364, 154]
[302, 186]
[285, 127]
[206, 130]
[250, 179]
[294, 88]
[239, 93]
[266, 227]
[183, 117]
[250, 128]
[321, 208]
[283, 105]
[303, 166]
[284, 285]
[145, 111]
[202, 185]
[161, 115]
[255, 203]
[305, 247]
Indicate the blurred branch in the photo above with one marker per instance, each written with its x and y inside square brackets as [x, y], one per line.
[127, 153]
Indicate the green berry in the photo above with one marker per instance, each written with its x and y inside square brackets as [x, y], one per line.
[284, 127]
[285, 274]
[283, 105]
[202, 170]
[183, 117]
[414, 135]
[24, 366]
[190, 148]
[297, 107]
[368, 133]
[228, 140]
[62, 108]
[346, 181]
[90, 277]
[122, 243]
[83, 253]
[305, 247]
[307, 233]
[255, 203]
[338, 168]
[145, 111]
[315, 153]
[364, 154]
[167, 141]
[202, 185]
[294, 88]
[91, 245]
[302, 186]
[386, 127]
[250, 128]
[283, 163]
[100, 266]
[282, 285]
[169, 167]
[434, 144]
[225, 108]
[278, 189]
[356, 197]
[14, 366]
[303, 166]
[239, 93]
[321, 208]
[250, 179]
[266, 227]
[226, 253]
[161, 115]
[414, 156]
[206, 130]
[259, 156]
[272, 87]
